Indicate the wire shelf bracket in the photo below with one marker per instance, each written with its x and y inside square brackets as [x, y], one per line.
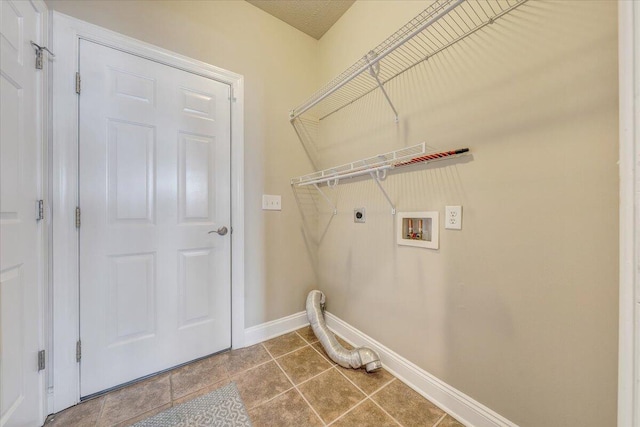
[377, 178]
[333, 206]
[375, 71]
[435, 29]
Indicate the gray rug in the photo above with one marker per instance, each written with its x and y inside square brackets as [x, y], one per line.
[222, 407]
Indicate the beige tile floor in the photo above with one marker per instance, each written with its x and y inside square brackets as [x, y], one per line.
[286, 381]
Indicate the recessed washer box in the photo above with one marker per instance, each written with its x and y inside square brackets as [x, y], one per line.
[418, 229]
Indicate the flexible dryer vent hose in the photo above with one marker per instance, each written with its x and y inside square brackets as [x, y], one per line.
[356, 358]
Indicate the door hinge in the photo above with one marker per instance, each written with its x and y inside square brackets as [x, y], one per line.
[78, 217]
[231, 97]
[78, 83]
[39, 210]
[41, 360]
[78, 351]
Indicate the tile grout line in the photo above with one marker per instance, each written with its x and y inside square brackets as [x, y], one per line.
[325, 356]
[299, 392]
[267, 350]
[348, 411]
[227, 377]
[171, 388]
[316, 375]
[104, 402]
[273, 398]
[173, 401]
[308, 342]
[380, 406]
[298, 349]
[362, 390]
[302, 382]
[368, 396]
[175, 370]
[257, 366]
[440, 420]
[127, 421]
[252, 367]
[288, 353]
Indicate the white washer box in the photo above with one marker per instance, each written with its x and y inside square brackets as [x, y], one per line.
[418, 229]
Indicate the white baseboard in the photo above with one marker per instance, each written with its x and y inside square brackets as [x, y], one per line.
[265, 331]
[454, 402]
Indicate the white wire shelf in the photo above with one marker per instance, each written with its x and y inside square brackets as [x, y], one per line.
[361, 167]
[438, 27]
[380, 163]
[376, 167]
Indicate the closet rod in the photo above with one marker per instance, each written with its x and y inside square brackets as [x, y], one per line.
[305, 107]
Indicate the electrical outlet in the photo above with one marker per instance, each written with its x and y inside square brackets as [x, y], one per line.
[359, 215]
[271, 203]
[453, 217]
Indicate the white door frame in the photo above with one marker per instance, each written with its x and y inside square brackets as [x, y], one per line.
[67, 32]
[629, 333]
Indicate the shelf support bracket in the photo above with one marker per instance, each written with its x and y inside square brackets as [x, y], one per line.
[376, 178]
[335, 210]
[374, 73]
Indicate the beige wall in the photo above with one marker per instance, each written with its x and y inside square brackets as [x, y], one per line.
[519, 308]
[278, 63]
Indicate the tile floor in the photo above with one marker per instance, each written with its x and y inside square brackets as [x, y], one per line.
[286, 381]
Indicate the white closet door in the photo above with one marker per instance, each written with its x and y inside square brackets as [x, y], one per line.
[21, 393]
[155, 287]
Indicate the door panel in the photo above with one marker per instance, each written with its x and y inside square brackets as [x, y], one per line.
[155, 286]
[21, 262]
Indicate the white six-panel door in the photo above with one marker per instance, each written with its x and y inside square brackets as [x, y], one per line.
[21, 260]
[154, 178]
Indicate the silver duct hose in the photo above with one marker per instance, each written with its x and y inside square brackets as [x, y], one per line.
[355, 358]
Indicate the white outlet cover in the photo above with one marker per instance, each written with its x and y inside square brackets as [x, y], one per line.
[453, 217]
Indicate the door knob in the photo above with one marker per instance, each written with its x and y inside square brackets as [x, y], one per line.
[221, 231]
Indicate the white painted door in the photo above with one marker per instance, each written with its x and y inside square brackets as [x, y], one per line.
[21, 260]
[155, 286]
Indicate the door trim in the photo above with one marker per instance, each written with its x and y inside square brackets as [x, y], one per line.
[67, 32]
[629, 332]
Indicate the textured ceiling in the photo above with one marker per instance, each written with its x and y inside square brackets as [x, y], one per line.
[313, 17]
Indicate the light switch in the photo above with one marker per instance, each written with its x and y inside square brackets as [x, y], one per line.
[271, 202]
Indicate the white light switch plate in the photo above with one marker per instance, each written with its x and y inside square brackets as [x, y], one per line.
[453, 217]
[271, 202]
